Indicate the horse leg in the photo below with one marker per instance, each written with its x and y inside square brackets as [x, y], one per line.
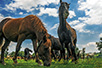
[69, 53]
[73, 50]
[64, 50]
[60, 54]
[36, 52]
[53, 54]
[19, 42]
[3, 50]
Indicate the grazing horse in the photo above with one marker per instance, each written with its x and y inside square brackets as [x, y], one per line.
[67, 35]
[44, 51]
[56, 45]
[19, 29]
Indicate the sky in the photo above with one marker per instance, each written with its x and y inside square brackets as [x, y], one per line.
[85, 16]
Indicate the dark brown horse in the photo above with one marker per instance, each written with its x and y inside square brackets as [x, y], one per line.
[27, 53]
[56, 45]
[67, 35]
[17, 30]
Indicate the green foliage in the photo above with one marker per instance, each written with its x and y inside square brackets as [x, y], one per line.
[99, 44]
[6, 53]
[20, 53]
[12, 54]
[33, 54]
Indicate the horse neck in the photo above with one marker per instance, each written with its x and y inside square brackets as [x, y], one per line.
[62, 21]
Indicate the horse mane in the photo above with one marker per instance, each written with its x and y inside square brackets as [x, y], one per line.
[37, 24]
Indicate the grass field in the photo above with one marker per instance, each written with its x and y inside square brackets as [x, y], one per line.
[91, 63]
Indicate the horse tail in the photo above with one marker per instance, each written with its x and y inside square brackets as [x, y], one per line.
[1, 40]
[1, 26]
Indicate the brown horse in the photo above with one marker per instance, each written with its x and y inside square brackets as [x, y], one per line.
[67, 35]
[17, 30]
[44, 51]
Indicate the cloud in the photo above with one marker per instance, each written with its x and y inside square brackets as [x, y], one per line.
[1, 17]
[49, 11]
[71, 14]
[92, 11]
[90, 47]
[74, 22]
[100, 35]
[28, 5]
[80, 27]
[12, 47]
[21, 13]
[55, 26]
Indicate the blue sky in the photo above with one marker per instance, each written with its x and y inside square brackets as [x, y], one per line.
[85, 16]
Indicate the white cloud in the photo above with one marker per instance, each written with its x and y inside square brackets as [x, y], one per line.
[90, 47]
[92, 10]
[74, 22]
[1, 17]
[71, 14]
[12, 47]
[100, 35]
[49, 11]
[21, 13]
[29, 5]
[55, 26]
[80, 27]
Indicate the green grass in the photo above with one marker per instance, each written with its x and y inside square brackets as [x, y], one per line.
[91, 63]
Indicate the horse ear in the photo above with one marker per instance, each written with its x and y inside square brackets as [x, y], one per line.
[44, 39]
[60, 1]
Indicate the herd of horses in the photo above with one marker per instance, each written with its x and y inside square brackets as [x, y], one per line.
[31, 27]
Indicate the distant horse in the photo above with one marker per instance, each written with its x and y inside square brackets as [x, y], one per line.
[67, 35]
[26, 53]
[56, 45]
[19, 29]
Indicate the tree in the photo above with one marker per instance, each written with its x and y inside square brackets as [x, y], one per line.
[99, 44]
[12, 54]
[20, 53]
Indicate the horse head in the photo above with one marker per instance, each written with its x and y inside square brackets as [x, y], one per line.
[44, 51]
[63, 9]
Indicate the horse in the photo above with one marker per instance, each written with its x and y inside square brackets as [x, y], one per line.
[56, 45]
[44, 51]
[67, 35]
[19, 29]
[26, 53]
